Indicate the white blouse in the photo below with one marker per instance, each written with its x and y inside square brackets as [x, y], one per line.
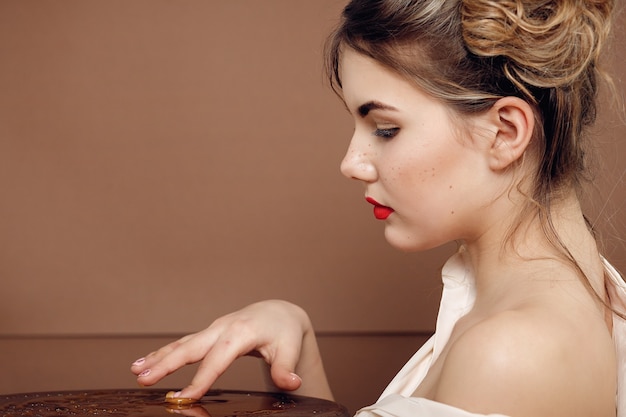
[457, 299]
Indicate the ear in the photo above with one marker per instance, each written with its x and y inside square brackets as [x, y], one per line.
[513, 121]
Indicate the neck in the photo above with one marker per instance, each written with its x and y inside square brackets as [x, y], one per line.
[507, 269]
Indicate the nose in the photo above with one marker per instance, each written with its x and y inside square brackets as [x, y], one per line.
[358, 161]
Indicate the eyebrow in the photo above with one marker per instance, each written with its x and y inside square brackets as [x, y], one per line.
[364, 109]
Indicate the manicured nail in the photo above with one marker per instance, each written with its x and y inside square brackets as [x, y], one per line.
[172, 394]
[146, 372]
[139, 361]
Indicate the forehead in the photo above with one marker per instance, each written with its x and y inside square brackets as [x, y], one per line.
[365, 80]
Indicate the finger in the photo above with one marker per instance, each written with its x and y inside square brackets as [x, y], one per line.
[150, 359]
[283, 365]
[138, 366]
[215, 363]
[145, 362]
[173, 357]
[285, 379]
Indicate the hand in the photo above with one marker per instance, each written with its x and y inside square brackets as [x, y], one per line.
[277, 331]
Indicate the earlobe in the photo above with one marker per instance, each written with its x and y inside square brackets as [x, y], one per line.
[514, 123]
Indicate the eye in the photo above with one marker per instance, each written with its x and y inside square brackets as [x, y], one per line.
[387, 133]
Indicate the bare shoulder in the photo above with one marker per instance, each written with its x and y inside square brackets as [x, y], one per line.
[530, 362]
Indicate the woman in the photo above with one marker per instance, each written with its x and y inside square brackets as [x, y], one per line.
[471, 123]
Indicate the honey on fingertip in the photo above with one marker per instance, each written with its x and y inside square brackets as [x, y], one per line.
[169, 397]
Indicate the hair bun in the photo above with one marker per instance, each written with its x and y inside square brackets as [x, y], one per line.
[546, 43]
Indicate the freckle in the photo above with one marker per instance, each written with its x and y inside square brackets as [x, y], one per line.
[450, 187]
[452, 212]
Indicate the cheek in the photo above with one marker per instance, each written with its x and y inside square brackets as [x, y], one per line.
[412, 172]
[428, 187]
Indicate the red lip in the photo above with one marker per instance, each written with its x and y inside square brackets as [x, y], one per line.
[380, 212]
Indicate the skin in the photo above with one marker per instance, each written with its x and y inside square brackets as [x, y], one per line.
[277, 331]
[536, 342]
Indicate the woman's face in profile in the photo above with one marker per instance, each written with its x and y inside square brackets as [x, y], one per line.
[426, 180]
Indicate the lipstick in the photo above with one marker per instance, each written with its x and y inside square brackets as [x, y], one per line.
[380, 212]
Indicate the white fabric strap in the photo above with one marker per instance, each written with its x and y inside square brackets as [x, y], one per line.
[395, 405]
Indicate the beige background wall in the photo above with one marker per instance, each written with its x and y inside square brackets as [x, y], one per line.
[165, 162]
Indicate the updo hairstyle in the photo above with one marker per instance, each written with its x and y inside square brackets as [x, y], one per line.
[470, 53]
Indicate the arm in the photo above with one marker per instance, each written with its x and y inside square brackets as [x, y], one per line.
[279, 332]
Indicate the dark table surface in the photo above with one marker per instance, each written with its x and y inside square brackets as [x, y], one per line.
[152, 403]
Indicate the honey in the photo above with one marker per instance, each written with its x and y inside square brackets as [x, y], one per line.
[169, 397]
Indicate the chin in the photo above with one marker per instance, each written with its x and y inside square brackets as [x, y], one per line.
[409, 243]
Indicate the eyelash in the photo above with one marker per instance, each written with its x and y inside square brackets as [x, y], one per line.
[387, 133]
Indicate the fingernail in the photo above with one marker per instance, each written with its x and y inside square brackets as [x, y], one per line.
[144, 373]
[295, 377]
[139, 361]
[172, 394]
